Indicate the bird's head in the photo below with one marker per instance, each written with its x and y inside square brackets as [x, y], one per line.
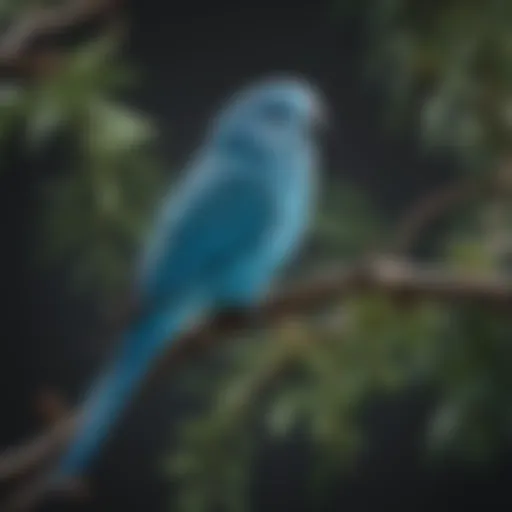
[273, 117]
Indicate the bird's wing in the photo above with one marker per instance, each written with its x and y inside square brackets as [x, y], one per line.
[216, 226]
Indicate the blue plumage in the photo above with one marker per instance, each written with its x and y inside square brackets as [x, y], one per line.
[219, 240]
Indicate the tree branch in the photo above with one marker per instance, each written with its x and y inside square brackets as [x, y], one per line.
[430, 208]
[390, 277]
[18, 40]
[40, 22]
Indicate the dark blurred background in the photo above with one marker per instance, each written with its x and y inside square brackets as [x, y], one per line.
[64, 264]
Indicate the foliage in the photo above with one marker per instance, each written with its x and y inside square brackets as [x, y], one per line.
[94, 209]
[346, 223]
[12, 9]
[450, 64]
[308, 376]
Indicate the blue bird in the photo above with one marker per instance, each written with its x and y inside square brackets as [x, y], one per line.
[219, 240]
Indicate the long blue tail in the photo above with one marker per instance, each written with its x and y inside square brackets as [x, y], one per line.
[112, 391]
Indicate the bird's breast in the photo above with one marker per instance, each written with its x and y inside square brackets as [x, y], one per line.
[292, 196]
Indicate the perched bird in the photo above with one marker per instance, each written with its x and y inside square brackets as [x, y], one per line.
[219, 240]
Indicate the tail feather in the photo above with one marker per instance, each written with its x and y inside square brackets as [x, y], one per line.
[113, 390]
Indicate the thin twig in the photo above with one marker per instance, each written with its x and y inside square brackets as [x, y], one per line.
[41, 22]
[432, 207]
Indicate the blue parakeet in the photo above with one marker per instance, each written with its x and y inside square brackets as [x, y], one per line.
[220, 238]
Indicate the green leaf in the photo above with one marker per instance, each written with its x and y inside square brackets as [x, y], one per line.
[284, 412]
[113, 129]
[46, 117]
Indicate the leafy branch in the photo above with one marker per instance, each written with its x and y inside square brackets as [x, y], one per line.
[391, 278]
